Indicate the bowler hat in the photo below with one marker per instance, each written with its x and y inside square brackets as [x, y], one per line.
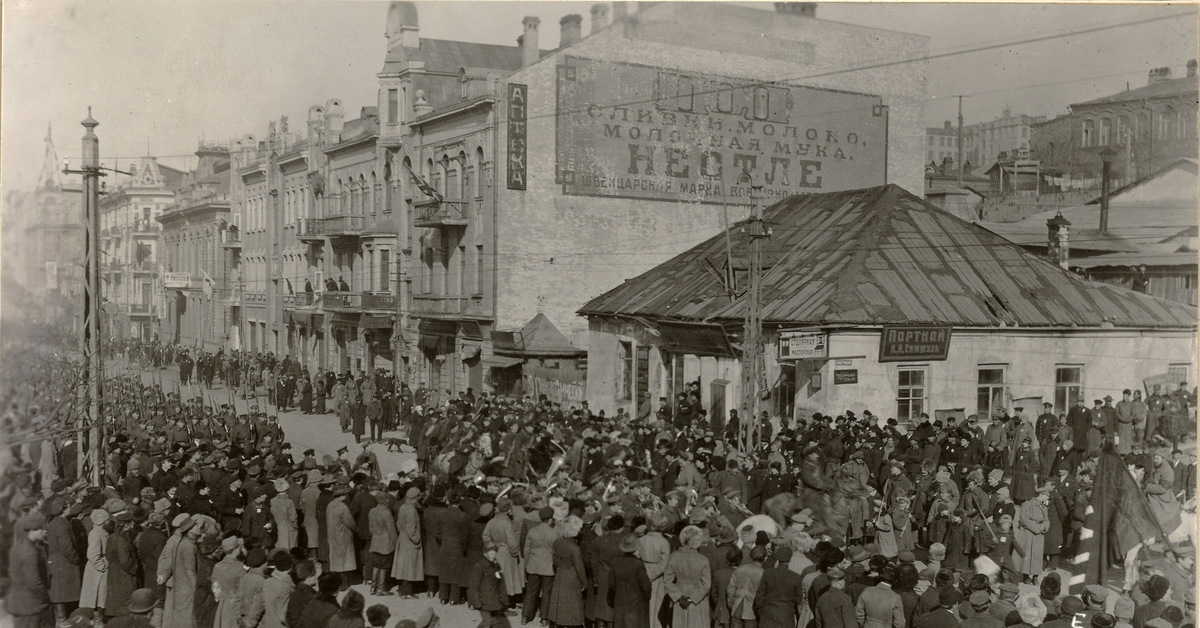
[629, 544]
[142, 601]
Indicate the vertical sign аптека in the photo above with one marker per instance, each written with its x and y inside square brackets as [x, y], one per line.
[517, 132]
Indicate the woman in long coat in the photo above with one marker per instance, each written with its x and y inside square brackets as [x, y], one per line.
[341, 530]
[1057, 512]
[95, 572]
[501, 534]
[319, 395]
[1033, 521]
[64, 559]
[122, 578]
[570, 577]
[689, 575]
[408, 562]
[306, 395]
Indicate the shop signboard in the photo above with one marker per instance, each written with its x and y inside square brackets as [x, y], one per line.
[908, 343]
[803, 345]
[626, 130]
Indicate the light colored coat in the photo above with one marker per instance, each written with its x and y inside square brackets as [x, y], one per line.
[409, 562]
[502, 534]
[340, 527]
[539, 550]
[283, 511]
[227, 575]
[251, 594]
[1032, 523]
[383, 530]
[275, 592]
[654, 550]
[742, 587]
[688, 574]
[181, 592]
[95, 571]
[880, 607]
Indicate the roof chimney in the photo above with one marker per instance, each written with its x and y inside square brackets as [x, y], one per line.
[1056, 244]
[620, 11]
[1191, 66]
[599, 17]
[1157, 75]
[530, 52]
[571, 29]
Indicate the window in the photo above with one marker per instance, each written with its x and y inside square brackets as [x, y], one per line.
[479, 269]
[1122, 130]
[1068, 386]
[626, 370]
[461, 283]
[911, 393]
[1088, 130]
[1177, 373]
[1164, 125]
[990, 392]
[1105, 131]
[385, 270]
[393, 106]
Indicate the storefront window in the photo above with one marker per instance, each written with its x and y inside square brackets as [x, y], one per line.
[626, 370]
[911, 393]
[1068, 386]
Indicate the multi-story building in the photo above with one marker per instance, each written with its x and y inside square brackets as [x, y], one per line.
[941, 143]
[129, 243]
[1147, 129]
[1009, 134]
[197, 247]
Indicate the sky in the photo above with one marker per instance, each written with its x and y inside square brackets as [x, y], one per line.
[160, 76]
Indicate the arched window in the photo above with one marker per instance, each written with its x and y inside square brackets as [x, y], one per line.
[1166, 120]
[478, 171]
[375, 195]
[1105, 131]
[1088, 136]
[452, 177]
[1123, 130]
[1185, 125]
[343, 197]
[364, 195]
[465, 190]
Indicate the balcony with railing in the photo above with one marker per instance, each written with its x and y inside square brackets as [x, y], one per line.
[438, 306]
[233, 238]
[142, 268]
[433, 213]
[142, 309]
[352, 302]
[145, 227]
[301, 301]
[173, 281]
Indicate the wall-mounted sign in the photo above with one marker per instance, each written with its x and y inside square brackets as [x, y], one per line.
[845, 376]
[903, 343]
[803, 345]
[638, 131]
[518, 107]
[843, 363]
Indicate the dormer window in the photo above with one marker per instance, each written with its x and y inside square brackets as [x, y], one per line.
[462, 82]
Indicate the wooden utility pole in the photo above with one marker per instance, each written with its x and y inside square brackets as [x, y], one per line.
[752, 342]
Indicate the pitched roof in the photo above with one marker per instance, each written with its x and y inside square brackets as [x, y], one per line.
[881, 255]
[1161, 89]
[443, 55]
[540, 337]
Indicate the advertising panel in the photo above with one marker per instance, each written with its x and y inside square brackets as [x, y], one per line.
[636, 131]
[518, 99]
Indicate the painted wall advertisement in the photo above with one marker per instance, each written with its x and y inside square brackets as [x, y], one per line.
[636, 131]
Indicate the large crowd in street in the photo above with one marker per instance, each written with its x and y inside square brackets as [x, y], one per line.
[534, 512]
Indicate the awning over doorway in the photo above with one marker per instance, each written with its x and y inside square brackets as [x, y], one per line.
[501, 361]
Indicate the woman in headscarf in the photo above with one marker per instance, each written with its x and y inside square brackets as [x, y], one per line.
[570, 577]
[688, 580]
[95, 572]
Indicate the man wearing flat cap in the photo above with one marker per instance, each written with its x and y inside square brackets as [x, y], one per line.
[835, 609]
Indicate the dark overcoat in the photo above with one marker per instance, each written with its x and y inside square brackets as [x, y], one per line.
[570, 578]
[64, 561]
[628, 592]
[122, 575]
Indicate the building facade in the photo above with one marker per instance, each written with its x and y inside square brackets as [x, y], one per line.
[130, 242]
[941, 143]
[983, 142]
[1147, 128]
[197, 280]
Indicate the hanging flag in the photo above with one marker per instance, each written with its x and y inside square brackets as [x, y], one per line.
[208, 284]
[422, 185]
[144, 251]
[1118, 515]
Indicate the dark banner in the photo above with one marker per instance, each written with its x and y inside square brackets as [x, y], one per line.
[905, 343]
[638, 131]
[518, 107]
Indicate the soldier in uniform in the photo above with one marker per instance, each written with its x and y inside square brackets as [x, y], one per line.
[1156, 405]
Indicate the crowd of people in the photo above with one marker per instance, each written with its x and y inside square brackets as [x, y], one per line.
[530, 512]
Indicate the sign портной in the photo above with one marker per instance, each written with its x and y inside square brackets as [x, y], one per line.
[903, 343]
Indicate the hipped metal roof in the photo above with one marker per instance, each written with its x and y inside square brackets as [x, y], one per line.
[881, 255]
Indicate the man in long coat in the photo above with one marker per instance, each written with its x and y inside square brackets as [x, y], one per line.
[1033, 520]
[455, 530]
[283, 512]
[780, 593]
[308, 508]
[688, 582]
[408, 563]
[227, 575]
[502, 534]
[181, 588]
[1159, 486]
[341, 529]
[628, 587]
[95, 572]
[64, 560]
[28, 600]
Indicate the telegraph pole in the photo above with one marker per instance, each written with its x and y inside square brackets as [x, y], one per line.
[752, 344]
[959, 142]
[93, 302]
